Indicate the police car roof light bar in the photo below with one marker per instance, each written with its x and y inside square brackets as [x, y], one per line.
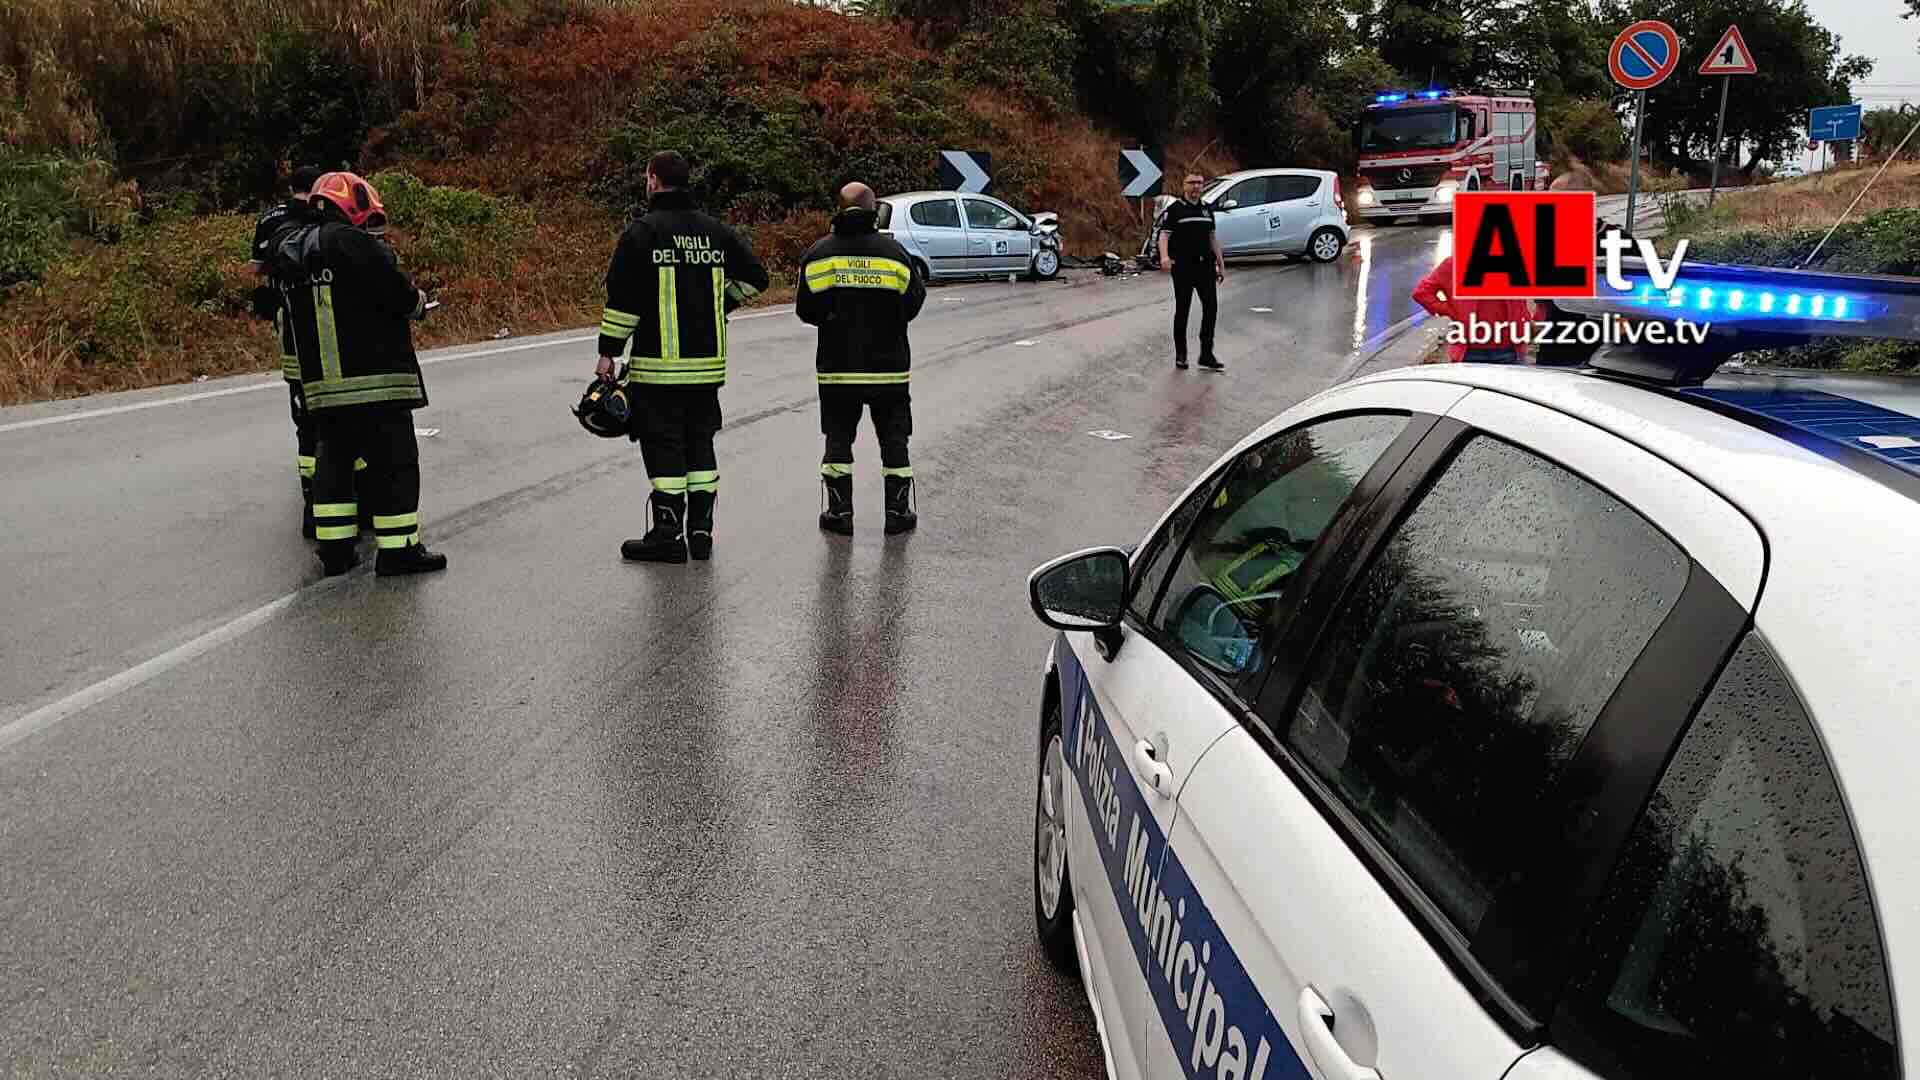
[1746, 307]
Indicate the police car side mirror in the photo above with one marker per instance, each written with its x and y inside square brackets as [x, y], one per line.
[1086, 590]
[1230, 204]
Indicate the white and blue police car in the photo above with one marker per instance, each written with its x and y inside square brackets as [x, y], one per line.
[1471, 722]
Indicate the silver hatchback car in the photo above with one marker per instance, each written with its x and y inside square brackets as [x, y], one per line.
[953, 235]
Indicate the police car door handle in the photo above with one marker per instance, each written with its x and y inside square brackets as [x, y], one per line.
[1316, 1026]
[1151, 771]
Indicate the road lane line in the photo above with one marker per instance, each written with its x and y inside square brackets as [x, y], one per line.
[271, 383]
[113, 686]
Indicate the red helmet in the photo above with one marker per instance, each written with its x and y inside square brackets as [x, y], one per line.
[353, 197]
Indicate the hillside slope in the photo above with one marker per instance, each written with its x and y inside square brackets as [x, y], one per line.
[511, 172]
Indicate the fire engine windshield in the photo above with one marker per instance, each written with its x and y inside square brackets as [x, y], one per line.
[1408, 129]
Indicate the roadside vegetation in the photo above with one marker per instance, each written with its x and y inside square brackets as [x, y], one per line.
[138, 138]
[1781, 224]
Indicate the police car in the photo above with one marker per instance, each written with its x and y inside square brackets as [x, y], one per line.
[1505, 722]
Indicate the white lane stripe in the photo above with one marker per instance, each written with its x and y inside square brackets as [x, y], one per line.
[48, 715]
[268, 384]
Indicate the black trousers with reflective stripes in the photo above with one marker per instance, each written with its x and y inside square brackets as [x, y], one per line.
[1187, 280]
[892, 409]
[675, 426]
[304, 439]
[383, 436]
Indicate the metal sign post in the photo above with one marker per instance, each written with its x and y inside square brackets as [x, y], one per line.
[1729, 57]
[1719, 134]
[1633, 183]
[1641, 58]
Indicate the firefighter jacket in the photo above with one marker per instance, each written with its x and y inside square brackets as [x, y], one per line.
[266, 300]
[350, 307]
[859, 287]
[675, 275]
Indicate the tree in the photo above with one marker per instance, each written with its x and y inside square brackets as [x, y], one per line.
[1800, 67]
[1265, 52]
[1882, 129]
[1430, 40]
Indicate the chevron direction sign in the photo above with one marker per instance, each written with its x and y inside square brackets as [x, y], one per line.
[970, 171]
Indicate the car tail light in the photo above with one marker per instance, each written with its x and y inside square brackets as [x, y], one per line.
[1339, 200]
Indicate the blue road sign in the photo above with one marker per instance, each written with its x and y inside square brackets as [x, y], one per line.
[1834, 123]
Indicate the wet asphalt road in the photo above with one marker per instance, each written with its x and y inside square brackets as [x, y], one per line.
[555, 813]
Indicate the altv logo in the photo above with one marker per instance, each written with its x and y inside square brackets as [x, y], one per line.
[1541, 245]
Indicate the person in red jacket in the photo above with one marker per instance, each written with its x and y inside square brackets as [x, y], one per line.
[1508, 319]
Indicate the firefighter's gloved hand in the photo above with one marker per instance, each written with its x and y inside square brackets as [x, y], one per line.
[604, 369]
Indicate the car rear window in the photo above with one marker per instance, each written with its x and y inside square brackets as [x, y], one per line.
[885, 213]
[936, 213]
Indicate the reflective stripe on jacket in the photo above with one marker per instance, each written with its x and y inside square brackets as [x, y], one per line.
[675, 275]
[860, 288]
[351, 310]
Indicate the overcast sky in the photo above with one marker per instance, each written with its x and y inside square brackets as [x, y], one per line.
[1874, 28]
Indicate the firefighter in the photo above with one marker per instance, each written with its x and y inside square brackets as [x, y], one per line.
[266, 304]
[350, 306]
[860, 289]
[1190, 251]
[676, 274]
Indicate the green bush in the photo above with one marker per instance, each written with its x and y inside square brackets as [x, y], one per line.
[1587, 129]
[46, 200]
[315, 104]
[449, 230]
[1887, 242]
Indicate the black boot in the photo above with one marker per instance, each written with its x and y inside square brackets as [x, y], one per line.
[700, 524]
[415, 559]
[664, 542]
[337, 557]
[900, 512]
[838, 516]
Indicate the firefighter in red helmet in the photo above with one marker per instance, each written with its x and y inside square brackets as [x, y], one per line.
[350, 306]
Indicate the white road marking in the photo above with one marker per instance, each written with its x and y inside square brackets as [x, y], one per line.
[48, 715]
[1262, 310]
[271, 383]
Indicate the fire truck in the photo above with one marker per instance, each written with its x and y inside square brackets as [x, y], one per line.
[1417, 148]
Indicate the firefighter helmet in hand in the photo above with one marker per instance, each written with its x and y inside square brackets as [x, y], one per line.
[603, 409]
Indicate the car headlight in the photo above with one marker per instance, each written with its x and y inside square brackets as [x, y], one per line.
[1444, 193]
[1365, 198]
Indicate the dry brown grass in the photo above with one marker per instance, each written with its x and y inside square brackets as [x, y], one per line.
[1816, 201]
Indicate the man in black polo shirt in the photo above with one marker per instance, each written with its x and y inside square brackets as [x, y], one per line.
[1190, 251]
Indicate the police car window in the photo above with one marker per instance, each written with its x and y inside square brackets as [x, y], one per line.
[1737, 936]
[1257, 528]
[938, 214]
[982, 214]
[883, 215]
[1471, 658]
[1152, 572]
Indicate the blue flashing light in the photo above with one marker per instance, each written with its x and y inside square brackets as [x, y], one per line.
[1819, 306]
[1389, 98]
[1839, 307]
[1736, 300]
[1646, 294]
[1766, 303]
[1430, 94]
[1677, 297]
[1794, 303]
[1706, 299]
